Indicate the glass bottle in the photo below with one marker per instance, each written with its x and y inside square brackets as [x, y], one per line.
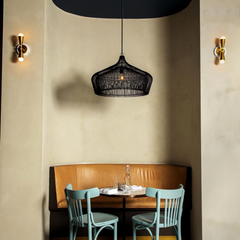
[127, 178]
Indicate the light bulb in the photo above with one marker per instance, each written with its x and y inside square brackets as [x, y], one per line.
[121, 77]
[20, 59]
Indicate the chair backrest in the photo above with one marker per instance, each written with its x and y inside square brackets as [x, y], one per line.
[74, 198]
[173, 204]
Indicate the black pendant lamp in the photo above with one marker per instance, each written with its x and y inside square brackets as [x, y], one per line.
[121, 79]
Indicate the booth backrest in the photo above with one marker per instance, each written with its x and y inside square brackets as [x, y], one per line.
[83, 176]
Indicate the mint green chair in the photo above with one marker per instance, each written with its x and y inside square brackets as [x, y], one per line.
[171, 217]
[92, 220]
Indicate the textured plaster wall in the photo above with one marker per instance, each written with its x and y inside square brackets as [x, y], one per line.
[83, 127]
[220, 118]
[21, 123]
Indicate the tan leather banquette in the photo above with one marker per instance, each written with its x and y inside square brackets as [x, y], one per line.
[84, 176]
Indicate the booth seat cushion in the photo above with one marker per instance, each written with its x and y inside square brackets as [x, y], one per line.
[84, 176]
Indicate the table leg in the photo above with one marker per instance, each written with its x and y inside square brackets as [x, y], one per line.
[124, 223]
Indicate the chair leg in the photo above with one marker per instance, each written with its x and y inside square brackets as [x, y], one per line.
[70, 231]
[179, 234]
[94, 232]
[150, 232]
[134, 231]
[176, 231]
[115, 231]
[157, 233]
[75, 228]
[89, 232]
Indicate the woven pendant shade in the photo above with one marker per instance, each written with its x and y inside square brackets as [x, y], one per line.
[134, 83]
[121, 79]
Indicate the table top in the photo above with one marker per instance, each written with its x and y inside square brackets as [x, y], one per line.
[121, 194]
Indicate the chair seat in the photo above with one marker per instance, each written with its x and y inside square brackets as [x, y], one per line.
[148, 218]
[101, 218]
[144, 218]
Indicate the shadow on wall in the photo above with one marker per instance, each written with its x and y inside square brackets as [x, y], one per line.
[45, 231]
[76, 92]
[183, 100]
[183, 85]
[14, 41]
[217, 43]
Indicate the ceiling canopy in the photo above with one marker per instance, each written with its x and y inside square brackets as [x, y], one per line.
[131, 8]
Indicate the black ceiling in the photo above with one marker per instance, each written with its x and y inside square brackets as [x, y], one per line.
[131, 8]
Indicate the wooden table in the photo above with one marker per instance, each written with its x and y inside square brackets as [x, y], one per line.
[124, 195]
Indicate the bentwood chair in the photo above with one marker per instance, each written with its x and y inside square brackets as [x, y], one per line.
[92, 220]
[171, 216]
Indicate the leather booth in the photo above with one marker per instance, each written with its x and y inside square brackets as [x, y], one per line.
[83, 176]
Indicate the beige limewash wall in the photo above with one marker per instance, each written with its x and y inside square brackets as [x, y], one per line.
[83, 127]
[51, 116]
[21, 123]
[220, 119]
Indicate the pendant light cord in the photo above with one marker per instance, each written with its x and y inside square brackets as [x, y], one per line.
[122, 27]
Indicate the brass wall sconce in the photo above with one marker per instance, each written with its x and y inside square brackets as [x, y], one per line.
[21, 49]
[220, 51]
